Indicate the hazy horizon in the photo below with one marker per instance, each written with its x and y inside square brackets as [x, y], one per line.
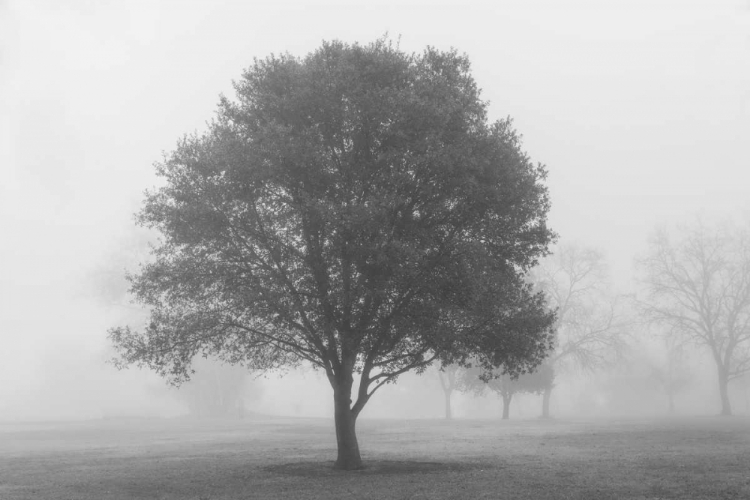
[639, 110]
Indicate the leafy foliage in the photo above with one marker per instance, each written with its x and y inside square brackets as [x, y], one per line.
[355, 210]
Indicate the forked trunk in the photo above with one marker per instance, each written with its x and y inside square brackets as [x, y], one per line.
[447, 384]
[545, 402]
[726, 407]
[346, 436]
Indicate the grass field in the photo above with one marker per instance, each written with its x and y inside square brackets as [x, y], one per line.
[690, 458]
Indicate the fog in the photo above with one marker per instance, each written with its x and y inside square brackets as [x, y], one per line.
[639, 109]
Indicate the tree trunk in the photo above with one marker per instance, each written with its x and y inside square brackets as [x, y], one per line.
[346, 437]
[448, 411]
[506, 405]
[447, 383]
[545, 402]
[726, 407]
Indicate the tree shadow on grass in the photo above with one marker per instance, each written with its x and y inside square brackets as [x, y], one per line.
[372, 467]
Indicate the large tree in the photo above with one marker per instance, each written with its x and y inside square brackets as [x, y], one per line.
[353, 209]
[590, 329]
[698, 283]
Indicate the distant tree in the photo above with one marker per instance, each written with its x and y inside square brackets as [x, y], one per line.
[106, 281]
[590, 332]
[625, 388]
[449, 383]
[505, 385]
[216, 389]
[699, 285]
[653, 371]
[673, 375]
[353, 209]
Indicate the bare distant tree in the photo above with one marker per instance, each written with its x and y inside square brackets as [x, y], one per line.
[699, 284]
[673, 375]
[590, 331]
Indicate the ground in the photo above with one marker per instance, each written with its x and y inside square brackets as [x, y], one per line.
[274, 458]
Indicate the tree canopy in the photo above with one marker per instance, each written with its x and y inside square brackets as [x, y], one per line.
[353, 209]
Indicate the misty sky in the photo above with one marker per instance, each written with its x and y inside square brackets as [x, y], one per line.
[640, 110]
